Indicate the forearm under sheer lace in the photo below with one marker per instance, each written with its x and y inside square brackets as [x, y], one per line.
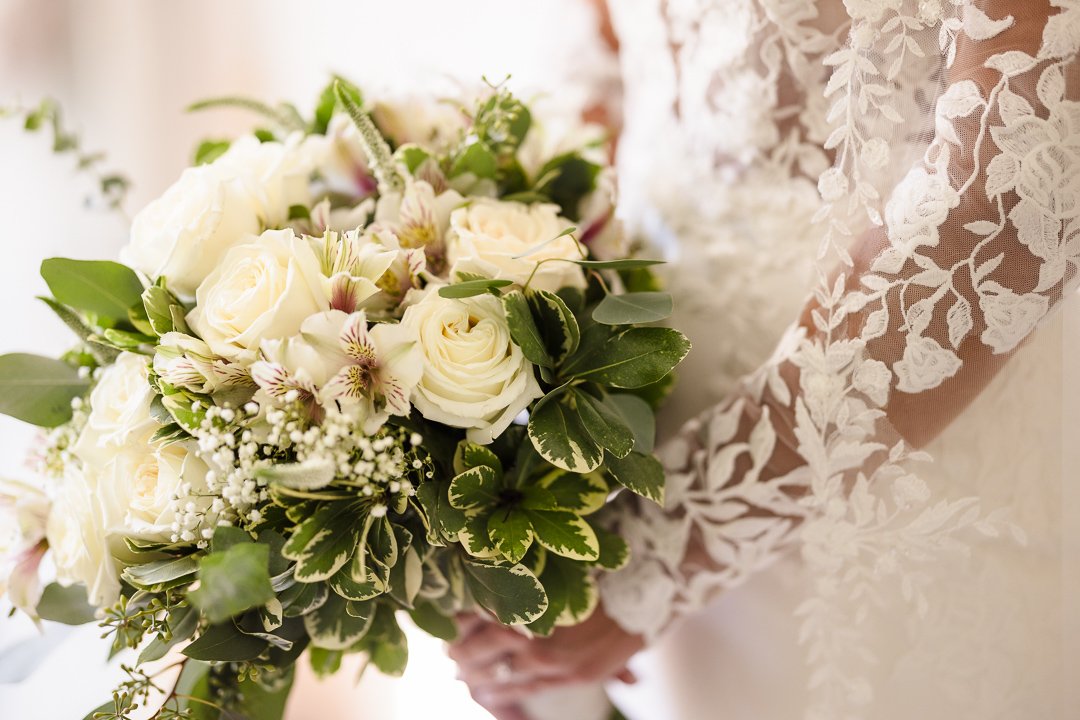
[979, 241]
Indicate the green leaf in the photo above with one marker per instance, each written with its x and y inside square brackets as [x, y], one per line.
[258, 702]
[332, 628]
[564, 533]
[523, 329]
[386, 643]
[632, 359]
[477, 159]
[325, 662]
[225, 643]
[557, 325]
[434, 497]
[633, 308]
[162, 573]
[182, 624]
[226, 536]
[475, 539]
[511, 532]
[614, 552]
[322, 544]
[158, 303]
[428, 618]
[358, 580]
[558, 434]
[511, 593]
[604, 425]
[210, 150]
[67, 605]
[572, 589]
[469, 455]
[104, 288]
[324, 110]
[233, 581]
[302, 598]
[579, 494]
[642, 474]
[475, 488]
[411, 156]
[469, 288]
[566, 180]
[626, 264]
[37, 389]
[103, 354]
[637, 415]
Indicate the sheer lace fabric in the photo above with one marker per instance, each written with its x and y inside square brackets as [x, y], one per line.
[943, 138]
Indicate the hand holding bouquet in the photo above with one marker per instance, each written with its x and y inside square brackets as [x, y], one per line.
[352, 367]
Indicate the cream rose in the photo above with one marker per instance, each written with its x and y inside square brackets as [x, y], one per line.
[488, 236]
[119, 411]
[79, 540]
[261, 290]
[211, 208]
[474, 376]
[137, 490]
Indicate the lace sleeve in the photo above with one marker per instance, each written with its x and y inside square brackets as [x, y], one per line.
[943, 275]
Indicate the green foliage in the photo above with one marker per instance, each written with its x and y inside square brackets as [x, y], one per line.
[642, 474]
[559, 434]
[631, 359]
[469, 288]
[233, 581]
[225, 642]
[378, 150]
[210, 150]
[566, 180]
[112, 186]
[105, 290]
[510, 592]
[67, 605]
[633, 308]
[39, 390]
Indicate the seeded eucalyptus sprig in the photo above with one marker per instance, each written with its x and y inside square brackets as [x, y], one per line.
[112, 186]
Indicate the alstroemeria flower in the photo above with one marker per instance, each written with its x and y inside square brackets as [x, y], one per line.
[353, 263]
[385, 364]
[338, 361]
[420, 219]
[24, 512]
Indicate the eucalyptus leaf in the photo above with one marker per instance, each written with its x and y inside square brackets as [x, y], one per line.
[470, 288]
[65, 604]
[37, 389]
[102, 287]
[233, 581]
[225, 643]
[633, 308]
[631, 359]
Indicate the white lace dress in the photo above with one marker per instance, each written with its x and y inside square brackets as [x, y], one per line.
[874, 514]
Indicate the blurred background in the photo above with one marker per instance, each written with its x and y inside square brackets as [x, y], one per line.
[123, 71]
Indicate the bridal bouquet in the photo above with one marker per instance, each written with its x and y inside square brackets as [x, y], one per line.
[387, 360]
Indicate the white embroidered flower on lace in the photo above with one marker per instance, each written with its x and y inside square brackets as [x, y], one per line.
[873, 378]
[1009, 317]
[919, 205]
[925, 365]
[875, 153]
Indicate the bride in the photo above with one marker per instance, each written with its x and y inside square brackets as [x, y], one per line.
[873, 208]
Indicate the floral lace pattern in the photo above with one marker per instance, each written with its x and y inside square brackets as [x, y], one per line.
[947, 228]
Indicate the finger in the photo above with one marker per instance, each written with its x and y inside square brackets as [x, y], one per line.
[626, 675]
[469, 623]
[487, 645]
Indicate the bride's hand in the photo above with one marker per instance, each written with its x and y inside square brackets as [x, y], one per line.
[502, 666]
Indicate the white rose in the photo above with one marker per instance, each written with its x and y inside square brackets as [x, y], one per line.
[487, 237]
[259, 291]
[474, 377]
[79, 540]
[137, 490]
[184, 233]
[119, 411]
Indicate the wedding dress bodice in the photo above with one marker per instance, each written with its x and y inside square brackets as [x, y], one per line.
[869, 206]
